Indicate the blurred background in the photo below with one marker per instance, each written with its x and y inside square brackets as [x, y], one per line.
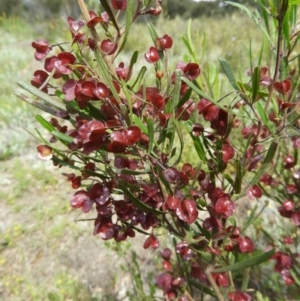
[44, 254]
[172, 8]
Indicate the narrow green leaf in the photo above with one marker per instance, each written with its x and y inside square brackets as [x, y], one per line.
[126, 171]
[104, 73]
[111, 15]
[229, 179]
[255, 83]
[190, 40]
[256, 217]
[140, 124]
[176, 92]
[152, 32]
[94, 112]
[62, 137]
[250, 56]
[150, 128]
[258, 174]
[133, 61]
[45, 124]
[266, 163]
[73, 108]
[286, 28]
[254, 18]
[229, 74]
[267, 235]
[43, 106]
[129, 101]
[193, 86]
[229, 122]
[265, 13]
[250, 218]
[188, 46]
[185, 97]
[264, 117]
[238, 177]
[155, 36]
[261, 53]
[283, 70]
[170, 134]
[42, 95]
[197, 142]
[181, 140]
[139, 77]
[295, 276]
[65, 163]
[271, 153]
[250, 262]
[128, 21]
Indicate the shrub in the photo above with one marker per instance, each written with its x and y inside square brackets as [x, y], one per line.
[124, 138]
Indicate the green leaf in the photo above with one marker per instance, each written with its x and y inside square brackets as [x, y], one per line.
[286, 29]
[264, 117]
[42, 95]
[43, 106]
[250, 262]
[111, 15]
[140, 124]
[105, 75]
[139, 77]
[295, 276]
[258, 174]
[193, 86]
[238, 177]
[152, 32]
[181, 140]
[45, 124]
[188, 41]
[185, 97]
[65, 163]
[128, 21]
[94, 112]
[150, 128]
[283, 70]
[197, 142]
[229, 74]
[188, 46]
[155, 36]
[255, 83]
[254, 18]
[176, 93]
[133, 61]
[126, 171]
[266, 163]
[62, 137]
[261, 53]
[271, 153]
[229, 122]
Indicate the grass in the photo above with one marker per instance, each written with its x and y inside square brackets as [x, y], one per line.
[44, 255]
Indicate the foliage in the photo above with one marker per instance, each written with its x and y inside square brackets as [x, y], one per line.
[124, 138]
